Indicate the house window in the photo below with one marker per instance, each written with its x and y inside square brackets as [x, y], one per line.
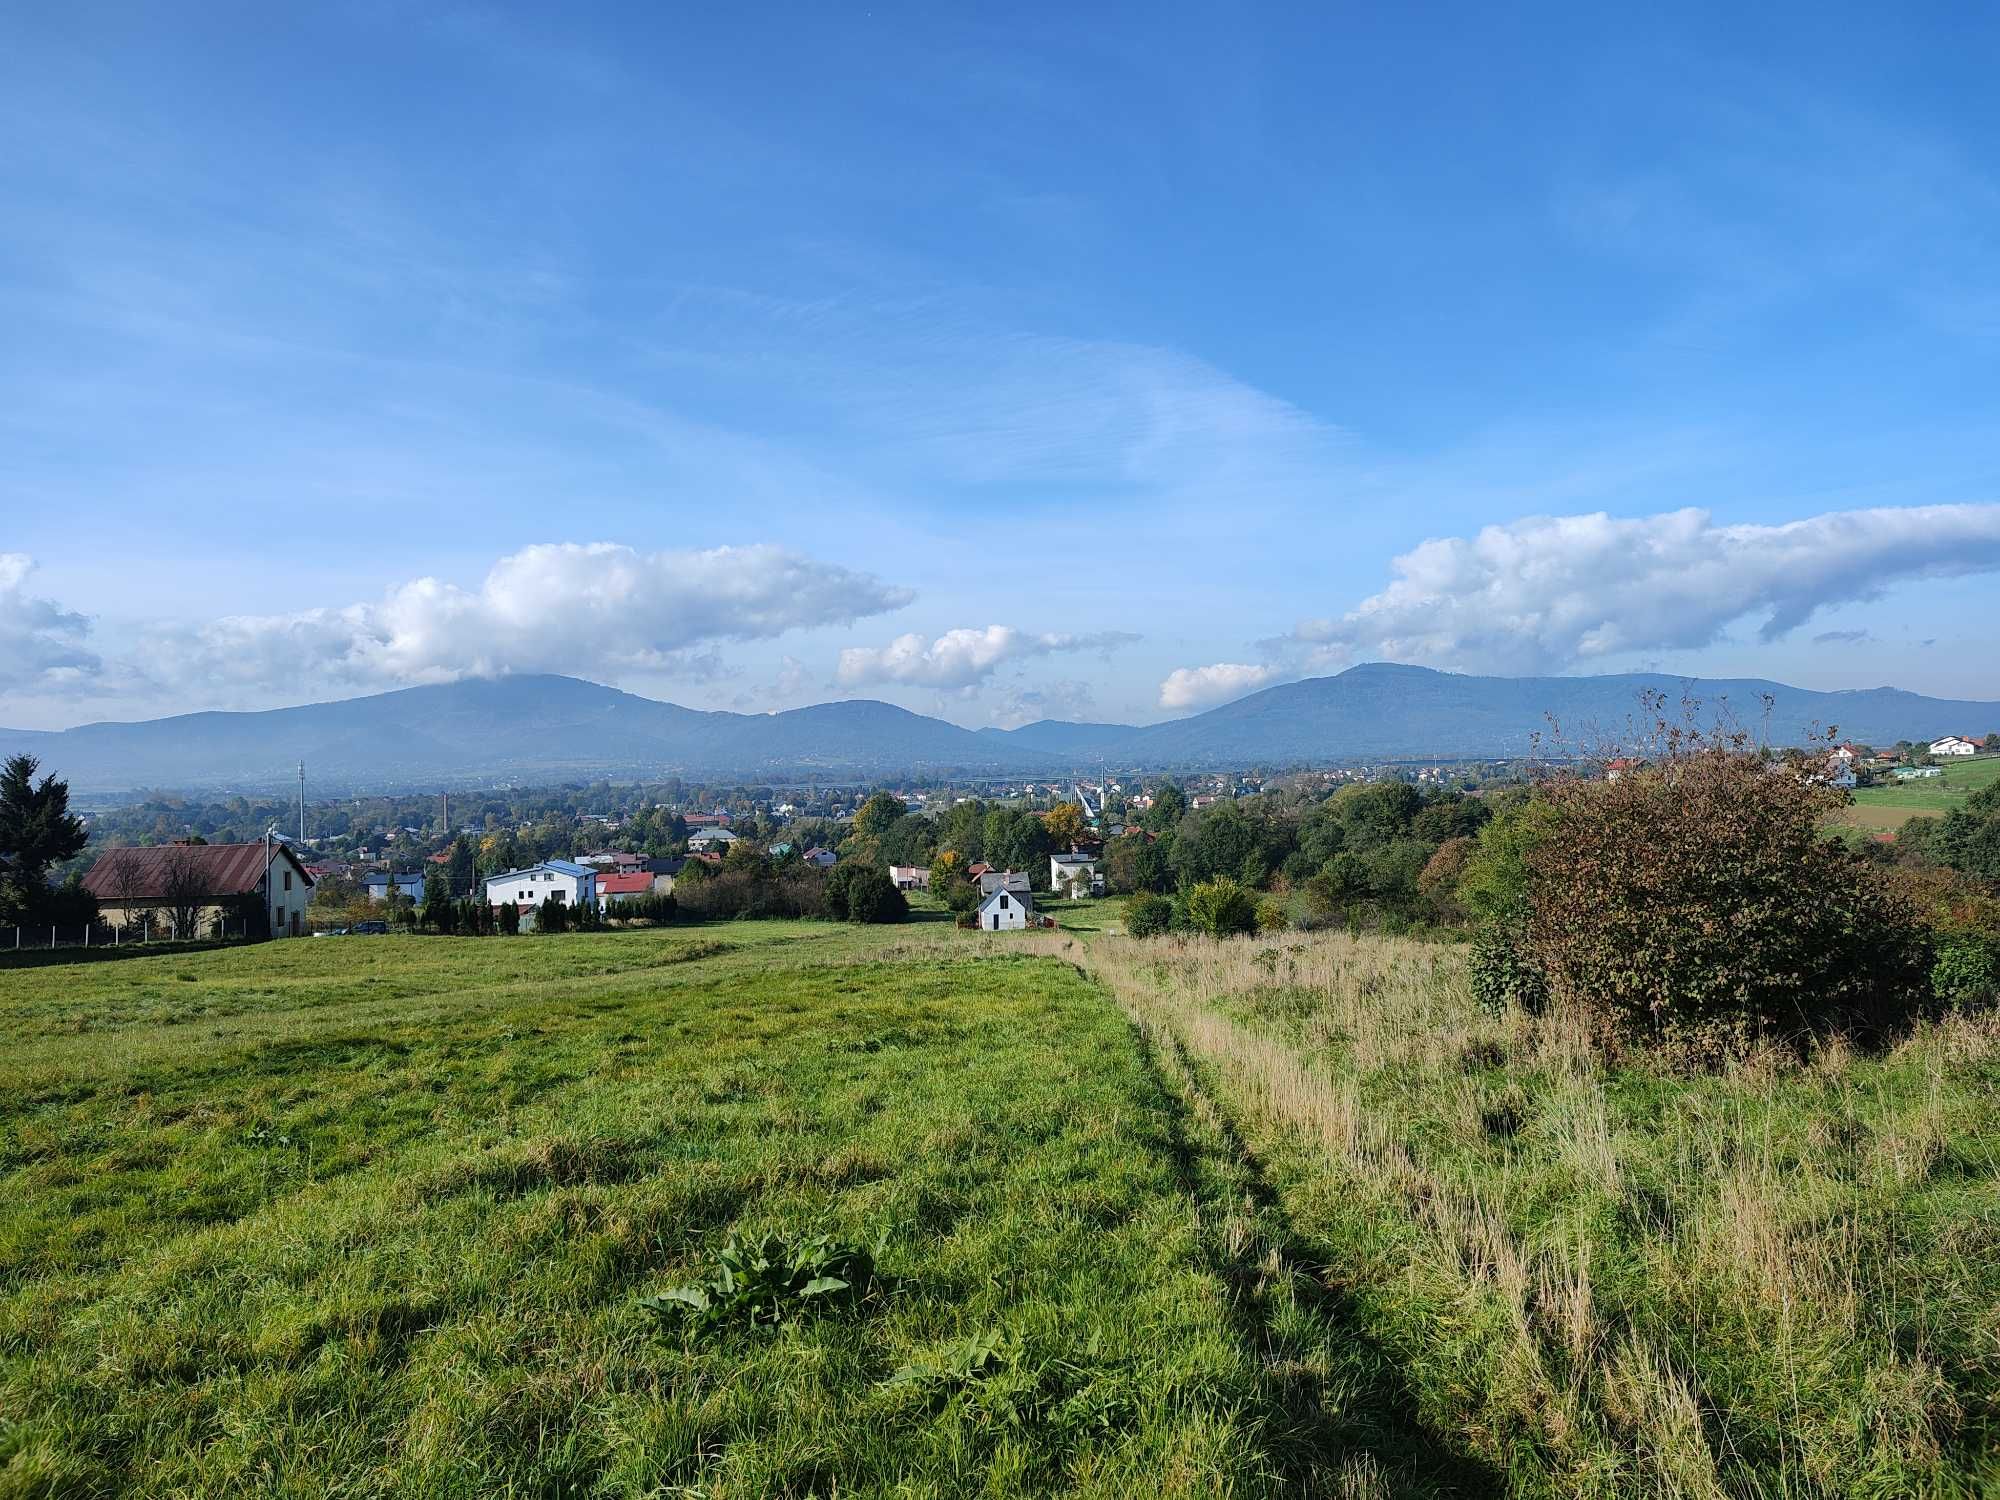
[1003, 901]
[288, 880]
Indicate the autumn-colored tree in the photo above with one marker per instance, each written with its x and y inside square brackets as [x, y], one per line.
[1066, 825]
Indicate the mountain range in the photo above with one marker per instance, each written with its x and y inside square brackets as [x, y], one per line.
[530, 729]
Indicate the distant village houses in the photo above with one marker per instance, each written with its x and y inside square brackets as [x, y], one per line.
[1954, 744]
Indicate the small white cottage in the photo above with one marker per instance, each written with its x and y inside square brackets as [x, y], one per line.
[1006, 911]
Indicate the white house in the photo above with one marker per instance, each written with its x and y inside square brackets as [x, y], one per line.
[1839, 773]
[1073, 871]
[1003, 880]
[1953, 744]
[569, 882]
[1006, 911]
[910, 877]
[378, 883]
[713, 838]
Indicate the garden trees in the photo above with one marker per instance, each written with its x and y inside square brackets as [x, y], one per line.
[1226, 840]
[1136, 863]
[1373, 813]
[1170, 805]
[1438, 882]
[1066, 825]
[1966, 838]
[877, 813]
[862, 893]
[1017, 840]
[910, 840]
[962, 828]
[458, 871]
[37, 830]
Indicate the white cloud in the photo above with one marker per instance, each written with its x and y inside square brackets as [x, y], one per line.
[596, 608]
[1550, 592]
[41, 643]
[1204, 687]
[961, 658]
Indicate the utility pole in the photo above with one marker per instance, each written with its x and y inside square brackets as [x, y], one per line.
[302, 804]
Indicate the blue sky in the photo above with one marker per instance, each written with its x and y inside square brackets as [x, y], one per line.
[1067, 361]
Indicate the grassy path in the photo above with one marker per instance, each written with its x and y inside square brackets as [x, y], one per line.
[1591, 1280]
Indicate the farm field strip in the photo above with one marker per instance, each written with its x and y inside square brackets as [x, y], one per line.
[1888, 806]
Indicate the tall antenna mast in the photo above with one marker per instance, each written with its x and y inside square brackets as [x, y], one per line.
[302, 804]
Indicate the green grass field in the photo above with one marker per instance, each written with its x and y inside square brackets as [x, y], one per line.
[372, 1217]
[1272, 1217]
[1886, 808]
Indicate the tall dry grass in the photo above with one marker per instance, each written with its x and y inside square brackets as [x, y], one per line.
[1652, 1283]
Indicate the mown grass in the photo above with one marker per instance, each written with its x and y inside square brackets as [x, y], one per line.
[356, 1217]
[1610, 1278]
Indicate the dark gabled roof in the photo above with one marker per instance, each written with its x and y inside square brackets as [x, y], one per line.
[226, 870]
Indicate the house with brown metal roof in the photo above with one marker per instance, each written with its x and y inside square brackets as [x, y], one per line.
[201, 885]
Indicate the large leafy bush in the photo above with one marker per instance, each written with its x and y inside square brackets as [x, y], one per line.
[1221, 907]
[1697, 901]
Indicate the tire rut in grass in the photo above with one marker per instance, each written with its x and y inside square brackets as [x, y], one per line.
[1370, 1437]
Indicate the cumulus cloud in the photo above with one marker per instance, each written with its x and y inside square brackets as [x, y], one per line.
[41, 643]
[1550, 592]
[596, 608]
[961, 658]
[1204, 687]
